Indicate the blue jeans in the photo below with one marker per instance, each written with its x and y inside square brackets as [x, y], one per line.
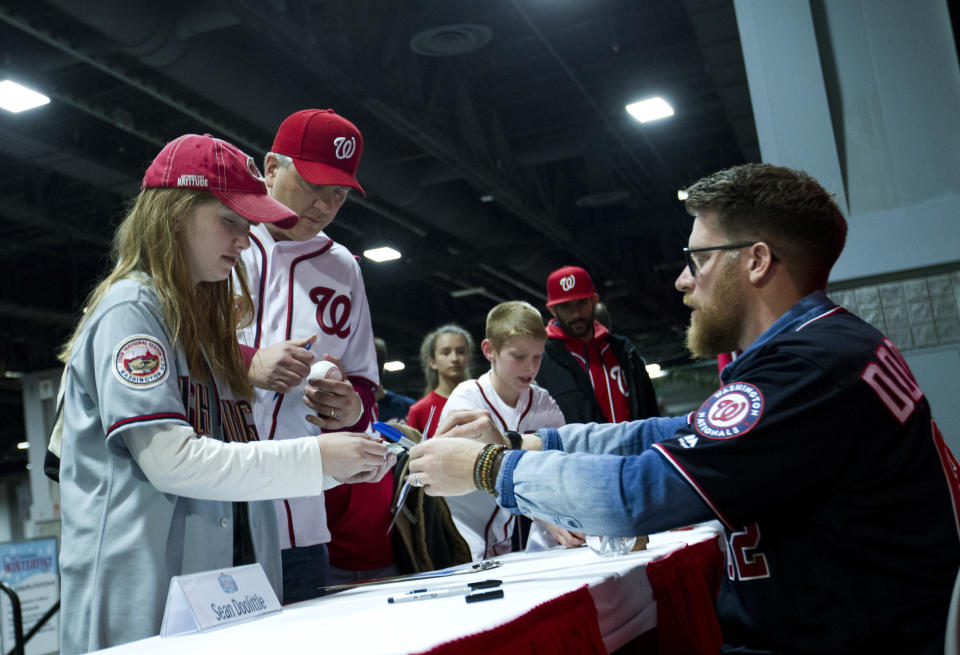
[304, 572]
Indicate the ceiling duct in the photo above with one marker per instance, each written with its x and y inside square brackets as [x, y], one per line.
[451, 40]
[603, 198]
[205, 70]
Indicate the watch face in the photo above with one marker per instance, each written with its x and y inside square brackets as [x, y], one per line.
[516, 441]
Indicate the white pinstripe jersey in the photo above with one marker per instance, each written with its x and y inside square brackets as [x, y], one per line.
[300, 288]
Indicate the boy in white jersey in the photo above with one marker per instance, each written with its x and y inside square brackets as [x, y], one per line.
[514, 343]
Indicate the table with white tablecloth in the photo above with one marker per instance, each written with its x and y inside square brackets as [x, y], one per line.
[561, 594]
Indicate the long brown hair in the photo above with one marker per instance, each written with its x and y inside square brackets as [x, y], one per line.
[150, 241]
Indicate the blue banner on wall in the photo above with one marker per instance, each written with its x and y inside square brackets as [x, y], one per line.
[30, 569]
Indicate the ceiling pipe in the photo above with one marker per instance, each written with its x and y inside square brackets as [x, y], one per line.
[37, 315]
[98, 63]
[590, 99]
[550, 151]
[226, 80]
[16, 210]
[21, 146]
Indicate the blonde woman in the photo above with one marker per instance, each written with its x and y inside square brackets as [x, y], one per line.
[158, 441]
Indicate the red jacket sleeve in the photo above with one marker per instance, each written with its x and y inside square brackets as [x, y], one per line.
[365, 389]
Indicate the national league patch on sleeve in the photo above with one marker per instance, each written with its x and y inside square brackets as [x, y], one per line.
[140, 362]
[729, 412]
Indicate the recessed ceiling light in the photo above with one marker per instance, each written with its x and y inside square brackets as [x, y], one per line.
[682, 194]
[23, 445]
[650, 109]
[384, 254]
[395, 365]
[16, 98]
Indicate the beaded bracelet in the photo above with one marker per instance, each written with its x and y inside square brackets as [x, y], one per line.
[486, 467]
[490, 483]
[478, 467]
[488, 453]
[476, 470]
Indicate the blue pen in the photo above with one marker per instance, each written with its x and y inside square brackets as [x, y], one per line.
[306, 347]
[393, 434]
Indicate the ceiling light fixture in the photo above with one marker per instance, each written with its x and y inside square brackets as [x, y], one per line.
[383, 254]
[16, 98]
[682, 194]
[394, 366]
[654, 371]
[650, 109]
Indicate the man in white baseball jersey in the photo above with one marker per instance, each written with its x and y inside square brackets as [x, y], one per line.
[309, 301]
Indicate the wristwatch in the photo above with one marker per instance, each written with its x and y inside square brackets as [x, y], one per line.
[515, 439]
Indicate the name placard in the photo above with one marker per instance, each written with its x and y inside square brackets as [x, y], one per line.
[213, 599]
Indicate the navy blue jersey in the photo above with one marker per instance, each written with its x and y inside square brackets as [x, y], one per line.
[836, 491]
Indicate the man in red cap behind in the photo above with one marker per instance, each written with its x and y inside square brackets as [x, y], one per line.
[594, 375]
[310, 302]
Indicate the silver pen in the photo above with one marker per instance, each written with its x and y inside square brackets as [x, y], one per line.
[459, 590]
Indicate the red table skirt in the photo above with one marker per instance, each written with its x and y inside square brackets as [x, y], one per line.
[685, 585]
[566, 625]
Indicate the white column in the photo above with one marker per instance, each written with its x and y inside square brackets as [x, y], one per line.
[865, 96]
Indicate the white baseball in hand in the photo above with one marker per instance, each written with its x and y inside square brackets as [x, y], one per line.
[325, 369]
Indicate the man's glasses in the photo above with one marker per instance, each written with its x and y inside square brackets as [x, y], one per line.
[692, 263]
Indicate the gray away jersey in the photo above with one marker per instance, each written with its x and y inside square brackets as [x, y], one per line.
[122, 538]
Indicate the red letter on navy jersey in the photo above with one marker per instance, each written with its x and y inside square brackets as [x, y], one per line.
[744, 561]
[893, 382]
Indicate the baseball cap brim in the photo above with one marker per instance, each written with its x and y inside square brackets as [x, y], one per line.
[316, 172]
[258, 207]
[572, 296]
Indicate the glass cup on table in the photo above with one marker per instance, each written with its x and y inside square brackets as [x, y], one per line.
[610, 546]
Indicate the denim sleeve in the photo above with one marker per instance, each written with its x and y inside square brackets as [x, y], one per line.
[630, 438]
[599, 494]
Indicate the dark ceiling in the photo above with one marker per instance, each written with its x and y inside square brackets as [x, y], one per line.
[497, 147]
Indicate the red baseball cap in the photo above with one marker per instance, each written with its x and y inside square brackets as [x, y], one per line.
[569, 283]
[324, 146]
[204, 162]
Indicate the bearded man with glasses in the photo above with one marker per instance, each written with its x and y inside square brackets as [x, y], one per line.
[819, 454]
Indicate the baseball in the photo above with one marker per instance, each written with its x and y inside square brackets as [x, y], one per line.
[325, 370]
